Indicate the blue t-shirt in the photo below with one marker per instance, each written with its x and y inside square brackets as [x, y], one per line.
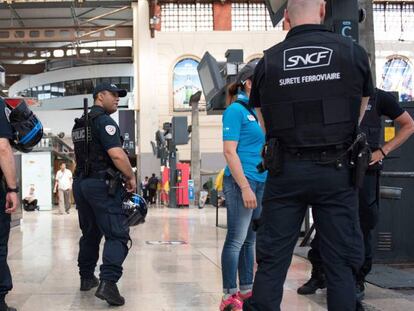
[241, 126]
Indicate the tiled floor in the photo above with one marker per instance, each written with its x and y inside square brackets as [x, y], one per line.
[43, 253]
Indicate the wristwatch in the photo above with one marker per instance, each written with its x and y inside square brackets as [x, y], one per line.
[12, 189]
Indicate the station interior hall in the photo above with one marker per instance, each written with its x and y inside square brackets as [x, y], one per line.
[53, 53]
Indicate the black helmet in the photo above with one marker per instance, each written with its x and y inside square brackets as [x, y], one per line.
[135, 207]
[28, 129]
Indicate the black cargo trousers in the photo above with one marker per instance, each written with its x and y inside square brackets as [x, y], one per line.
[369, 197]
[5, 276]
[335, 209]
[100, 214]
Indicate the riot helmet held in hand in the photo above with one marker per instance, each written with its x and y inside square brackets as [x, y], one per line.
[135, 207]
[27, 128]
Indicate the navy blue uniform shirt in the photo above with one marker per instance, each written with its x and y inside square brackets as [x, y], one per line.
[108, 131]
[360, 57]
[387, 105]
[5, 127]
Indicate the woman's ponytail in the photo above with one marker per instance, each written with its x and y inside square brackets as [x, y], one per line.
[232, 91]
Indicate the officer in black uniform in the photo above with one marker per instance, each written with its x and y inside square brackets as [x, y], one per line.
[8, 202]
[381, 104]
[97, 192]
[310, 92]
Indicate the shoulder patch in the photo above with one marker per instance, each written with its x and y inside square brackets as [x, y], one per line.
[7, 113]
[110, 129]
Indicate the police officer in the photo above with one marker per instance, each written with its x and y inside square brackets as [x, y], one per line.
[381, 104]
[310, 92]
[97, 193]
[9, 201]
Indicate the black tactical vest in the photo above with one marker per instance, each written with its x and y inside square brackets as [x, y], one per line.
[99, 159]
[309, 97]
[371, 123]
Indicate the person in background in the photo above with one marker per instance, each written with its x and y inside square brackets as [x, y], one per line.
[30, 201]
[144, 187]
[152, 188]
[63, 184]
[379, 105]
[243, 139]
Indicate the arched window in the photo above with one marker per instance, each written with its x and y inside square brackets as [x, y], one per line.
[398, 77]
[185, 83]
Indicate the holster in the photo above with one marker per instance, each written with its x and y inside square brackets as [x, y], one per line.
[256, 223]
[114, 180]
[377, 166]
[360, 158]
[86, 170]
[272, 154]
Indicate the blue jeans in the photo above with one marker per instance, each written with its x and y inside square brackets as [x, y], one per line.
[238, 250]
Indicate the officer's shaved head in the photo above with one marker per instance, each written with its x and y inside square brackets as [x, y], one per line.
[300, 12]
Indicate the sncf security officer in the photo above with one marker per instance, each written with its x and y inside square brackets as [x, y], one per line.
[381, 104]
[97, 192]
[8, 202]
[310, 90]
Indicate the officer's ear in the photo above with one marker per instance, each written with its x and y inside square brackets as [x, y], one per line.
[100, 96]
[322, 11]
[287, 18]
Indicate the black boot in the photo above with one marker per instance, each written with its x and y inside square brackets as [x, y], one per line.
[109, 291]
[88, 284]
[317, 281]
[360, 290]
[359, 306]
[5, 307]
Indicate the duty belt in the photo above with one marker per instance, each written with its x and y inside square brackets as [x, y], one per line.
[313, 155]
[95, 175]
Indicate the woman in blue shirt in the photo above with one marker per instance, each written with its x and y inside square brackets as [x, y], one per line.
[243, 139]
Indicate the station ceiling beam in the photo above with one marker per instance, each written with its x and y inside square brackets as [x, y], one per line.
[10, 80]
[64, 4]
[65, 34]
[19, 69]
[53, 53]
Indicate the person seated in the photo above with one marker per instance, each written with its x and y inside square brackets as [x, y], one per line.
[30, 201]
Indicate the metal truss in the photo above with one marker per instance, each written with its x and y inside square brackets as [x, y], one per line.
[63, 4]
[19, 69]
[52, 53]
[66, 34]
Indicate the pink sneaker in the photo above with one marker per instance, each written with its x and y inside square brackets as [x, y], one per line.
[231, 304]
[243, 297]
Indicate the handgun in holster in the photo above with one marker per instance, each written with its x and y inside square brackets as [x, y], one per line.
[360, 158]
[114, 179]
[272, 155]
